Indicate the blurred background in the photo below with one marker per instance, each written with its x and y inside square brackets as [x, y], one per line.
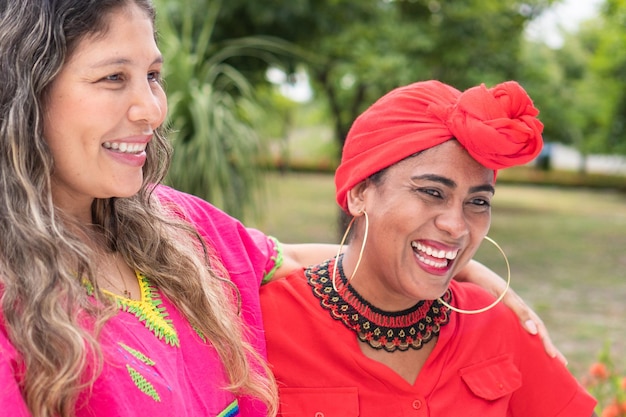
[262, 94]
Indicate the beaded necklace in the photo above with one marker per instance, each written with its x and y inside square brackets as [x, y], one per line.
[408, 329]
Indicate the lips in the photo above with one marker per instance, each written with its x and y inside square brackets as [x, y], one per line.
[431, 256]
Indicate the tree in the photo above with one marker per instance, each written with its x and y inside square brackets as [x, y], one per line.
[580, 87]
[609, 63]
[568, 94]
[363, 48]
[210, 105]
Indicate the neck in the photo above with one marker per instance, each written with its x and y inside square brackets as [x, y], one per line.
[369, 288]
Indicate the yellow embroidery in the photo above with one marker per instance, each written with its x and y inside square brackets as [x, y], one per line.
[150, 311]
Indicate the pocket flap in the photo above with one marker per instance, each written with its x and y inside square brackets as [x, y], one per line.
[492, 379]
[319, 402]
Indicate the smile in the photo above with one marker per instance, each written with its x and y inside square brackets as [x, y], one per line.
[123, 147]
[433, 257]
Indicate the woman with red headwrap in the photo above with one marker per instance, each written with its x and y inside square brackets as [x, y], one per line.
[382, 329]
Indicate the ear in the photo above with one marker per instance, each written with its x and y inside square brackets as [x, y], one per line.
[356, 198]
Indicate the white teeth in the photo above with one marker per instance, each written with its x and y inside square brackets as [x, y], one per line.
[431, 262]
[125, 147]
[441, 254]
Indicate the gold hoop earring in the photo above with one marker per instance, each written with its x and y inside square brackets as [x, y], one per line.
[345, 235]
[500, 297]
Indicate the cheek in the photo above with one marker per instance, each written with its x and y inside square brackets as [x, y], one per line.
[162, 97]
[53, 125]
[486, 225]
[480, 228]
[63, 113]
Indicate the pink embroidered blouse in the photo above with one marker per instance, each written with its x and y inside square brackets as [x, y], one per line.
[156, 364]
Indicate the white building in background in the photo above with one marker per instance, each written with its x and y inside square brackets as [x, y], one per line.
[568, 158]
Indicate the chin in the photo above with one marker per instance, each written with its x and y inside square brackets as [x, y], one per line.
[122, 193]
[129, 193]
[129, 190]
[440, 291]
[433, 293]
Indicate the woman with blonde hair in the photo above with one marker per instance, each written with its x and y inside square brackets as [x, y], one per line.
[112, 304]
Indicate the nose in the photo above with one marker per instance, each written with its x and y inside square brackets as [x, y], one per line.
[148, 104]
[453, 222]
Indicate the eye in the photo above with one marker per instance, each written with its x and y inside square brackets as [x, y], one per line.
[430, 192]
[154, 76]
[481, 202]
[113, 78]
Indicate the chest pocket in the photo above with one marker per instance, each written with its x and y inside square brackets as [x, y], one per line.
[319, 402]
[493, 379]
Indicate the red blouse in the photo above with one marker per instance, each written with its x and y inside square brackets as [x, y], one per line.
[482, 365]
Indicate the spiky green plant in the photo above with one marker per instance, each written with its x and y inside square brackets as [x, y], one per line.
[216, 148]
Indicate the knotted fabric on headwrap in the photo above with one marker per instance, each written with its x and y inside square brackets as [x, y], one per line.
[497, 126]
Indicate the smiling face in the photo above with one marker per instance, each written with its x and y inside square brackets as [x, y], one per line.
[101, 112]
[427, 216]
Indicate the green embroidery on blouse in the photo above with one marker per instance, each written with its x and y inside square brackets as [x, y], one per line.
[199, 333]
[141, 382]
[140, 356]
[88, 286]
[149, 310]
[278, 261]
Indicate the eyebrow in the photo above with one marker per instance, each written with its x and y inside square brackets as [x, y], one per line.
[123, 61]
[451, 184]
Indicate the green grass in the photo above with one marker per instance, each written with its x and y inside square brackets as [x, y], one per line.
[566, 247]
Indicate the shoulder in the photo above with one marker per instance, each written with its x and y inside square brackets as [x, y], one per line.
[207, 219]
[291, 293]
[293, 283]
[184, 204]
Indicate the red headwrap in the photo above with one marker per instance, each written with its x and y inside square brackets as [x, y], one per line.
[497, 126]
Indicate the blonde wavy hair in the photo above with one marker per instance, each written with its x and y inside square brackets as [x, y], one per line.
[42, 300]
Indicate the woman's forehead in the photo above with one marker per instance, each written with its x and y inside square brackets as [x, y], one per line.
[447, 160]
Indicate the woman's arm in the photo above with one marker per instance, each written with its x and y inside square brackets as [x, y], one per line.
[301, 255]
[305, 254]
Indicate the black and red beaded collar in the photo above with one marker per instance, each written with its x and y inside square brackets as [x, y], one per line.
[408, 329]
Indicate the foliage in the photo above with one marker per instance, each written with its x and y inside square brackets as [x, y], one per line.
[217, 54]
[572, 98]
[609, 62]
[365, 48]
[211, 105]
[580, 87]
[608, 385]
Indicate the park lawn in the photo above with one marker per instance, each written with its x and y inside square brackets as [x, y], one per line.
[566, 247]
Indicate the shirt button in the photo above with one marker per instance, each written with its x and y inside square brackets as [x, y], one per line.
[417, 404]
[319, 414]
